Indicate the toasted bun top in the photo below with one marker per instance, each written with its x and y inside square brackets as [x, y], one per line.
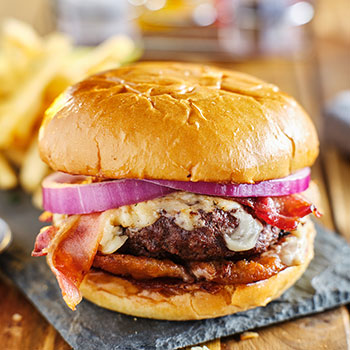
[177, 121]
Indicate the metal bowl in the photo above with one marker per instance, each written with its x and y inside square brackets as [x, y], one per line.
[5, 235]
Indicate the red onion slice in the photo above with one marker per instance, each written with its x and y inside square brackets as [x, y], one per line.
[294, 183]
[62, 194]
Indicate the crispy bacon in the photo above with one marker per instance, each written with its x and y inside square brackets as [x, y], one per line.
[240, 272]
[220, 271]
[70, 250]
[71, 255]
[283, 212]
[43, 240]
[140, 267]
[46, 216]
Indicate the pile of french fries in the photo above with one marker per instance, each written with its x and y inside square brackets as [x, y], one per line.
[34, 70]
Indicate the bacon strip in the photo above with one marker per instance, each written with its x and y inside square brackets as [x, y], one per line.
[240, 272]
[283, 212]
[220, 271]
[70, 250]
[46, 216]
[43, 240]
[140, 267]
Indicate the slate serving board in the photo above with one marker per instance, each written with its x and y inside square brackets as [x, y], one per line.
[325, 284]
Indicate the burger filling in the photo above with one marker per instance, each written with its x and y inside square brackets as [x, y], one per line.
[185, 226]
[181, 237]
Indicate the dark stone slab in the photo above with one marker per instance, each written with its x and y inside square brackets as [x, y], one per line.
[325, 284]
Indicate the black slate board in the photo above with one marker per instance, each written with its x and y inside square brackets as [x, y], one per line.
[325, 284]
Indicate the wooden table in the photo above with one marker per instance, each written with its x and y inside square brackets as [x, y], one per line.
[311, 80]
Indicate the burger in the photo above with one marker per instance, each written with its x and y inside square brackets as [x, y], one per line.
[178, 191]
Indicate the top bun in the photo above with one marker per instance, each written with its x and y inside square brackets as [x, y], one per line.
[177, 121]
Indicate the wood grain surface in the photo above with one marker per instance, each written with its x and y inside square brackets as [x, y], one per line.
[21, 325]
[312, 79]
[326, 331]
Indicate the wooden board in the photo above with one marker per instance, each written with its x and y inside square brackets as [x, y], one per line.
[21, 325]
[326, 331]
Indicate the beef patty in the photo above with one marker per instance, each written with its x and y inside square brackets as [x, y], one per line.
[166, 240]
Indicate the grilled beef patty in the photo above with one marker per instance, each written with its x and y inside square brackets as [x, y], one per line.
[166, 240]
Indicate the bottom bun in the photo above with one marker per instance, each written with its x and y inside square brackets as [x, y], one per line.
[122, 295]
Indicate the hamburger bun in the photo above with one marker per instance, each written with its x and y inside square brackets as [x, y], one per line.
[177, 121]
[122, 295]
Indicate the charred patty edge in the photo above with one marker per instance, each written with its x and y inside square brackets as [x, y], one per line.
[164, 239]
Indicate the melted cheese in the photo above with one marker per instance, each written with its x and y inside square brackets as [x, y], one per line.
[112, 237]
[57, 219]
[291, 251]
[184, 208]
[245, 235]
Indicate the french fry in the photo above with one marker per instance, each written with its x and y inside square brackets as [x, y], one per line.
[110, 54]
[17, 34]
[19, 113]
[20, 46]
[83, 62]
[8, 177]
[33, 169]
[15, 155]
[8, 79]
[34, 70]
[37, 198]
[26, 103]
[57, 47]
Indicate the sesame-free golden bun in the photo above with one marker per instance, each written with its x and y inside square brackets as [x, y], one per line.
[177, 121]
[122, 295]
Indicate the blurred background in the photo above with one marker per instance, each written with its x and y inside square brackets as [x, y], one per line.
[302, 46]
